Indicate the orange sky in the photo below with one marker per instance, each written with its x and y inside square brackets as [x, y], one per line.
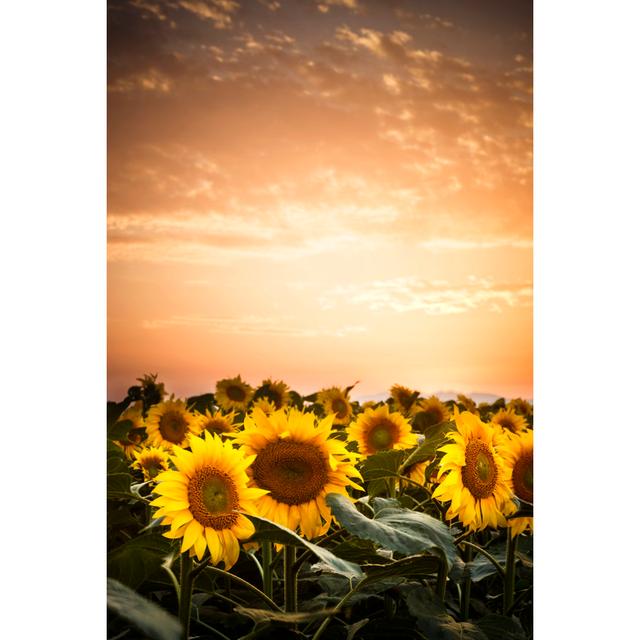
[322, 192]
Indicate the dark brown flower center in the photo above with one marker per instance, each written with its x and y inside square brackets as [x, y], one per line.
[523, 477]
[173, 426]
[216, 425]
[433, 416]
[213, 498]
[152, 465]
[339, 407]
[480, 473]
[294, 472]
[382, 436]
[236, 393]
[507, 423]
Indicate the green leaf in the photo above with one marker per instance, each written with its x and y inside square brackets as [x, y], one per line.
[138, 559]
[267, 530]
[413, 566]
[114, 411]
[433, 619]
[400, 530]
[265, 615]
[119, 430]
[151, 619]
[201, 403]
[434, 437]
[295, 399]
[376, 468]
[497, 627]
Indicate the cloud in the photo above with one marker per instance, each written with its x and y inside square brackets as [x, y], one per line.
[407, 294]
[252, 325]
[458, 244]
[220, 12]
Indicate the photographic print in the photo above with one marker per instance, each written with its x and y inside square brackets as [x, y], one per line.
[319, 319]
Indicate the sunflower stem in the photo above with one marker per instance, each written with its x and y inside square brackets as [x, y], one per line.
[510, 571]
[267, 571]
[231, 576]
[290, 579]
[441, 587]
[465, 596]
[186, 590]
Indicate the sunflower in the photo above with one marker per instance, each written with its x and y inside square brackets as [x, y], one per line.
[298, 462]
[170, 423]
[473, 476]
[403, 398]
[521, 407]
[275, 391]
[468, 403]
[217, 422]
[517, 452]
[202, 500]
[433, 411]
[266, 406]
[132, 441]
[509, 420]
[233, 393]
[416, 473]
[336, 401]
[151, 461]
[378, 430]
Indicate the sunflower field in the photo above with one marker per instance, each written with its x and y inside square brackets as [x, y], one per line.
[260, 513]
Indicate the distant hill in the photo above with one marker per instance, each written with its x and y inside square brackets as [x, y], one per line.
[443, 395]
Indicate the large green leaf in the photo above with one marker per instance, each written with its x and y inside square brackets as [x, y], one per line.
[401, 530]
[268, 530]
[433, 619]
[151, 619]
[413, 566]
[497, 627]
[434, 437]
[119, 430]
[376, 468]
[138, 559]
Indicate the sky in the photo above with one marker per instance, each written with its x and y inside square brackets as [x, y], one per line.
[322, 192]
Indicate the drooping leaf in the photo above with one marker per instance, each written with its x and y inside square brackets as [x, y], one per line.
[433, 619]
[497, 627]
[138, 559]
[380, 466]
[150, 618]
[411, 567]
[119, 430]
[266, 615]
[401, 530]
[268, 530]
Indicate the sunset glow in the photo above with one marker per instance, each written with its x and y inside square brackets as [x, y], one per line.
[321, 192]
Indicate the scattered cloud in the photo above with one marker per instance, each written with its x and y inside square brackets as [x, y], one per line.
[406, 294]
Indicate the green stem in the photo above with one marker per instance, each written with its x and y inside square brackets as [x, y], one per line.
[391, 483]
[290, 579]
[466, 585]
[186, 590]
[267, 571]
[338, 607]
[510, 573]
[231, 576]
[441, 588]
[487, 555]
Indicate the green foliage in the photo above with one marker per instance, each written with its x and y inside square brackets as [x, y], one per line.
[202, 403]
[151, 619]
[138, 559]
[400, 530]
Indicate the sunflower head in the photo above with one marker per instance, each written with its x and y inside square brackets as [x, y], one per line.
[336, 401]
[298, 462]
[433, 411]
[473, 476]
[517, 452]
[151, 461]
[521, 407]
[132, 442]
[203, 498]
[415, 472]
[403, 398]
[170, 423]
[378, 430]
[150, 391]
[233, 394]
[468, 403]
[217, 422]
[509, 420]
[275, 391]
[265, 405]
